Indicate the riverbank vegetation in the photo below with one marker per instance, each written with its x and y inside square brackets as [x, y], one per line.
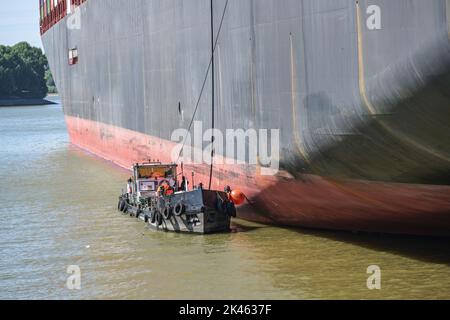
[24, 72]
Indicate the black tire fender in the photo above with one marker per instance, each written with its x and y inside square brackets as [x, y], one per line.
[159, 219]
[167, 213]
[153, 217]
[122, 205]
[179, 209]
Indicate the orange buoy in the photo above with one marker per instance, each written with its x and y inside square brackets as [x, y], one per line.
[238, 197]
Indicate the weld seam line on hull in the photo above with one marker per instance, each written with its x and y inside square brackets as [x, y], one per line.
[297, 137]
[447, 10]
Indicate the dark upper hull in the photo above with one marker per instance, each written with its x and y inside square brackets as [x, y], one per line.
[351, 103]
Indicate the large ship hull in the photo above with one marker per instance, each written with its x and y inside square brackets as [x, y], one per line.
[363, 114]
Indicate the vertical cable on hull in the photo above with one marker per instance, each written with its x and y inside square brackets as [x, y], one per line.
[447, 10]
[212, 94]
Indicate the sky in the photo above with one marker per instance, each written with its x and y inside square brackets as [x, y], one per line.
[19, 21]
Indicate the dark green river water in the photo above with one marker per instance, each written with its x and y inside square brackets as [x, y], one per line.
[58, 209]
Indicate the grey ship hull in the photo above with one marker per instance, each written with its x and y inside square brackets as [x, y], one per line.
[364, 114]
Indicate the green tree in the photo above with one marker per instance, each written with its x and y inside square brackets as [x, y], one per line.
[50, 82]
[22, 71]
[8, 65]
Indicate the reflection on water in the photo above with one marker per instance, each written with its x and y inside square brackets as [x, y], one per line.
[58, 208]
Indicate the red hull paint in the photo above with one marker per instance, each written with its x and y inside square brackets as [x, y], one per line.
[312, 202]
